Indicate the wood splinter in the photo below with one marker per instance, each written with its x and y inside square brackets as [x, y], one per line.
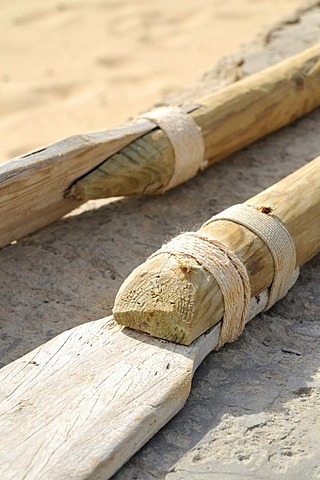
[178, 300]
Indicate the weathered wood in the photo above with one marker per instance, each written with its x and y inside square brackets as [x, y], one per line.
[229, 119]
[33, 187]
[82, 404]
[79, 406]
[164, 288]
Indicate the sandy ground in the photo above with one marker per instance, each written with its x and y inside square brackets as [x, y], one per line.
[254, 407]
[74, 66]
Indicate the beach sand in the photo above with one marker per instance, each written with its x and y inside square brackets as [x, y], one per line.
[253, 410]
[73, 66]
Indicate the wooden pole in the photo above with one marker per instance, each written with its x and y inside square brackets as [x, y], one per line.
[39, 188]
[162, 289]
[229, 120]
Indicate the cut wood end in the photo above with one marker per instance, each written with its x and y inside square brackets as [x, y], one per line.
[169, 297]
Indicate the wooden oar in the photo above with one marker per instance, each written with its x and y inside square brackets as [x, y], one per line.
[80, 405]
[40, 187]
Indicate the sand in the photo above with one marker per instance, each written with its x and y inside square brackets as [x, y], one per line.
[74, 66]
[253, 411]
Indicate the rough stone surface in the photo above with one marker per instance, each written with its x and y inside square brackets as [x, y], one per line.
[254, 408]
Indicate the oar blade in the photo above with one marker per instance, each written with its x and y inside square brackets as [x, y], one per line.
[82, 404]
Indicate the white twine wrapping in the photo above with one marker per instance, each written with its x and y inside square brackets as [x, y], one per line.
[278, 240]
[186, 139]
[230, 274]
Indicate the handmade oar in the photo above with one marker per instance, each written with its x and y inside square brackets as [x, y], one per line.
[80, 405]
[40, 187]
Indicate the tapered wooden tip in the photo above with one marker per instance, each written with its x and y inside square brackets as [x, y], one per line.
[169, 297]
[174, 298]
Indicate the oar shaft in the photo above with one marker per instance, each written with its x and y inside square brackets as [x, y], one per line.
[165, 287]
[230, 119]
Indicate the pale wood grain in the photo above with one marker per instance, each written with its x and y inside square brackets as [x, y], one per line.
[82, 404]
[166, 287]
[79, 406]
[138, 159]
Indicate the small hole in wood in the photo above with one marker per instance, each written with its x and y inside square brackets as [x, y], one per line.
[265, 210]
